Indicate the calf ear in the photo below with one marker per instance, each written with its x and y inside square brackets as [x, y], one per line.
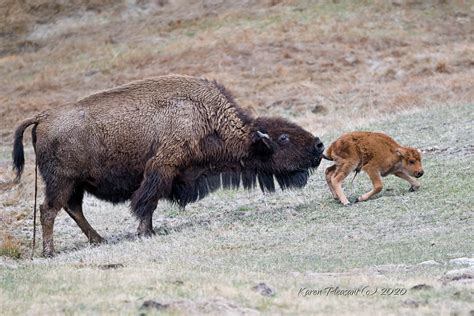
[401, 152]
[263, 143]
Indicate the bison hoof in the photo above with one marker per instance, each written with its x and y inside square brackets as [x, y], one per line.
[414, 188]
[146, 233]
[96, 240]
[48, 253]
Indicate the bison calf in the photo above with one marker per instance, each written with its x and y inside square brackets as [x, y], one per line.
[375, 153]
[171, 137]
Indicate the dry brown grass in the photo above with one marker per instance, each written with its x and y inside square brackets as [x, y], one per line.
[285, 58]
[10, 246]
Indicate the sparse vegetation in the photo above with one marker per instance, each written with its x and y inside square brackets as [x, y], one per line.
[403, 67]
[10, 247]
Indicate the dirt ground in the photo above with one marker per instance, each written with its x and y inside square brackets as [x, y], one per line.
[330, 66]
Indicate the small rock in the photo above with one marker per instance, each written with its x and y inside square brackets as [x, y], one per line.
[351, 59]
[462, 261]
[429, 263]
[264, 289]
[465, 275]
[90, 73]
[154, 304]
[110, 266]
[421, 287]
[413, 303]
[318, 108]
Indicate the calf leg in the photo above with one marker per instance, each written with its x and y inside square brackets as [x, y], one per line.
[329, 173]
[341, 172]
[374, 176]
[415, 185]
[74, 209]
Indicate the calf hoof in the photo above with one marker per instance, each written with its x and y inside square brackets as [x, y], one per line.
[414, 188]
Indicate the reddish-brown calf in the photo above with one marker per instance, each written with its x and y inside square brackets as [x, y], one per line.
[375, 153]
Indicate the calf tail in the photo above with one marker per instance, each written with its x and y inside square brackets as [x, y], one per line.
[18, 154]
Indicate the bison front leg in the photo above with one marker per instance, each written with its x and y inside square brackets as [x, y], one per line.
[155, 185]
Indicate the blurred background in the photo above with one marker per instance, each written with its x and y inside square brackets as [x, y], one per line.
[324, 64]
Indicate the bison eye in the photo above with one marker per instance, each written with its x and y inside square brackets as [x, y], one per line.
[283, 138]
[411, 162]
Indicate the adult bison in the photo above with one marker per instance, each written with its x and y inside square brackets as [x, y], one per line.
[171, 137]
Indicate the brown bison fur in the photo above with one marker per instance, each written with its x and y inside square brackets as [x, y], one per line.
[171, 137]
[375, 153]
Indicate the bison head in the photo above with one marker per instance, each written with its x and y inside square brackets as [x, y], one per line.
[284, 151]
[278, 150]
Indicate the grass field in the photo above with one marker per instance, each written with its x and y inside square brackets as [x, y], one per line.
[208, 257]
[403, 67]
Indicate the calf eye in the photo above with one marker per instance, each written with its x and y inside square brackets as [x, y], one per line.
[283, 138]
[411, 162]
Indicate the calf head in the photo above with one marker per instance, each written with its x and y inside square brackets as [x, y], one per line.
[284, 150]
[411, 161]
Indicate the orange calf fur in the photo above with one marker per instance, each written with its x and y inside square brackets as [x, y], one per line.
[375, 153]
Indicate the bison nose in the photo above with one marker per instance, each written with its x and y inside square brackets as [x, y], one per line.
[319, 145]
[419, 173]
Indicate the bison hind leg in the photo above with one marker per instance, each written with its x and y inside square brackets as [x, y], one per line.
[74, 209]
[57, 195]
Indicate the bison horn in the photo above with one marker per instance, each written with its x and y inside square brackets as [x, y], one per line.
[263, 135]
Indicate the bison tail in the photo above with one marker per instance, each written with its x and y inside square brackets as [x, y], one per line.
[18, 153]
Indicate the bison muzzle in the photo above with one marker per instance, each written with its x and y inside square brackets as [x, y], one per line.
[170, 137]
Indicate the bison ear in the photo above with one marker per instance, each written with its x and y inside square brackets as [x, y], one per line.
[401, 152]
[263, 143]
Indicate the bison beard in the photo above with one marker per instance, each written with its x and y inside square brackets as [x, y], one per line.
[185, 190]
